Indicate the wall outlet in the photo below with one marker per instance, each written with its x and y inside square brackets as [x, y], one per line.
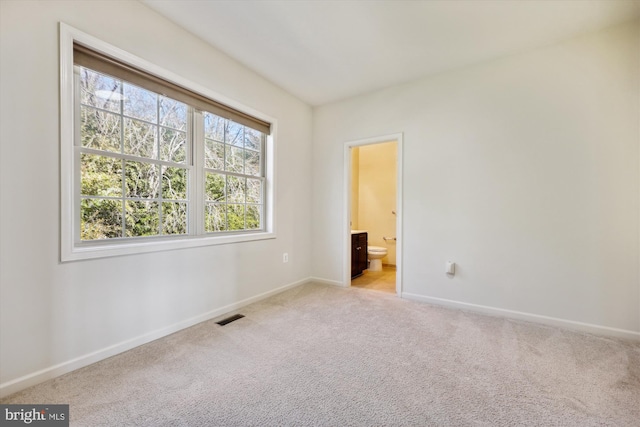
[450, 268]
[285, 257]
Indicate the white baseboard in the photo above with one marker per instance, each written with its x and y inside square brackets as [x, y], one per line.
[34, 378]
[326, 281]
[536, 318]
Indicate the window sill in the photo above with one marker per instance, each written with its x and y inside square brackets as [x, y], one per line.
[104, 250]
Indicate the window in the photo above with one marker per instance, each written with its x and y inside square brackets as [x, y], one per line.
[133, 167]
[153, 162]
[233, 175]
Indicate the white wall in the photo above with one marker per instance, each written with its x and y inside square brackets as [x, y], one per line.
[524, 171]
[53, 313]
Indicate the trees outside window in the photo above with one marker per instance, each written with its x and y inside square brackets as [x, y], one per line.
[139, 162]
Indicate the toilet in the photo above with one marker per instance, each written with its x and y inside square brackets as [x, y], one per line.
[375, 254]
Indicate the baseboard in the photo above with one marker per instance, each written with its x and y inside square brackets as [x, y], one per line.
[32, 379]
[326, 281]
[536, 318]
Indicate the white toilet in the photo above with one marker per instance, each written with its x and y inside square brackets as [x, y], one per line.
[375, 254]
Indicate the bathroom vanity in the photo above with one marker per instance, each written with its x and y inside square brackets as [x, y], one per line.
[358, 252]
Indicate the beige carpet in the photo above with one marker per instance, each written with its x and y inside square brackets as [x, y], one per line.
[326, 356]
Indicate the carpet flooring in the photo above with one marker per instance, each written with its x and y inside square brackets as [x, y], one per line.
[320, 355]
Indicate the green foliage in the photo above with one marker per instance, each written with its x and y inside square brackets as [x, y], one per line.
[126, 198]
[100, 219]
[100, 175]
[141, 219]
[174, 183]
[235, 217]
[214, 187]
[253, 217]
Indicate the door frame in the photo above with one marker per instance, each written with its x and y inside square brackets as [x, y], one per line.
[398, 138]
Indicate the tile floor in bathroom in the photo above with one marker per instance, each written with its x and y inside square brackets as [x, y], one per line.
[384, 280]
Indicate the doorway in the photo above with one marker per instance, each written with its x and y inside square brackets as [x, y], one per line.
[373, 205]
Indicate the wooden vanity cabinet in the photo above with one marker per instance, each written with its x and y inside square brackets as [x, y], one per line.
[358, 254]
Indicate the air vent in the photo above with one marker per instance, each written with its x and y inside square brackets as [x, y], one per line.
[230, 319]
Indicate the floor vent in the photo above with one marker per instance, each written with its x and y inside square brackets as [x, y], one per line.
[230, 319]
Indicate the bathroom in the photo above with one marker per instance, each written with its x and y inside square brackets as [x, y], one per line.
[373, 209]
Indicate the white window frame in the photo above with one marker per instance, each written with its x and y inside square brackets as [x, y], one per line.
[70, 249]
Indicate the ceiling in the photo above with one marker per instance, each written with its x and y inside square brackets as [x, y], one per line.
[323, 51]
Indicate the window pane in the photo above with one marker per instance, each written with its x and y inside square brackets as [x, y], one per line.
[234, 159]
[141, 180]
[173, 145]
[252, 163]
[98, 90]
[215, 218]
[235, 217]
[214, 126]
[174, 218]
[252, 139]
[235, 189]
[254, 191]
[140, 139]
[99, 130]
[100, 175]
[141, 219]
[140, 103]
[253, 217]
[100, 219]
[214, 187]
[173, 113]
[174, 183]
[213, 154]
[235, 134]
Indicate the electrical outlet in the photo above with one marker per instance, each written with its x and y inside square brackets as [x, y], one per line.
[450, 268]
[285, 257]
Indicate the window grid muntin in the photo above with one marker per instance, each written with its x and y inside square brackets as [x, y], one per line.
[188, 165]
[122, 115]
[160, 199]
[124, 157]
[226, 173]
